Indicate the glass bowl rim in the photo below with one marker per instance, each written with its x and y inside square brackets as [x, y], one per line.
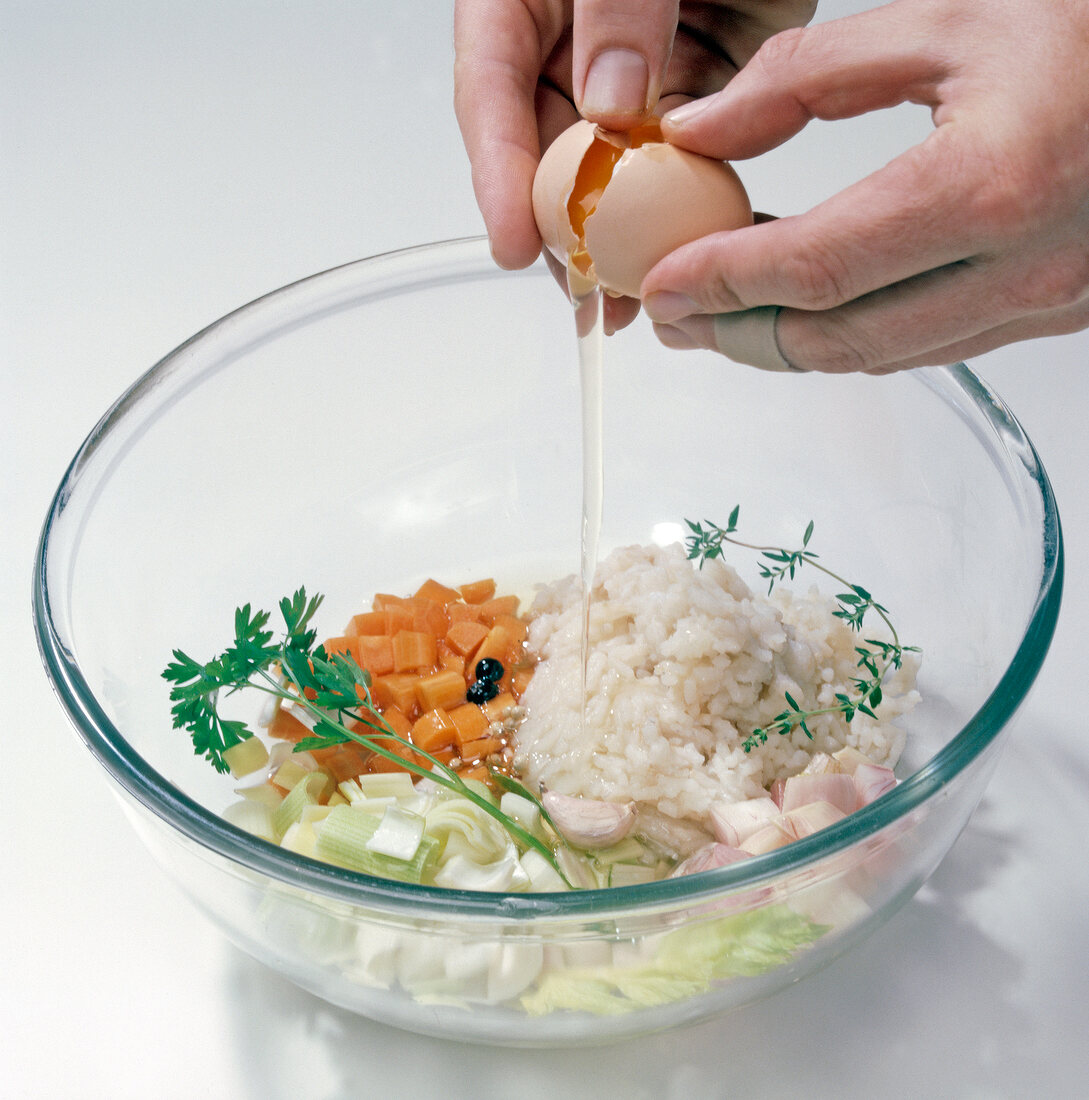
[470, 258]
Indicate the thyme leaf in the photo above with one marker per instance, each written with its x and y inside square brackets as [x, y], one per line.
[876, 658]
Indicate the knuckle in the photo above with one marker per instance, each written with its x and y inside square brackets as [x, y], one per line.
[827, 343]
[780, 52]
[815, 278]
[1061, 281]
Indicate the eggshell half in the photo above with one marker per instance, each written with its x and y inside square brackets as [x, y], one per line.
[658, 198]
[552, 187]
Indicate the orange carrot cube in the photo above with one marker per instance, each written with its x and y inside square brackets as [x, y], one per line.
[470, 723]
[369, 623]
[498, 605]
[433, 730]
[478, 591]
[440, 593]
[440, 689]
[413, 649]
[375, 653]
[463, 637]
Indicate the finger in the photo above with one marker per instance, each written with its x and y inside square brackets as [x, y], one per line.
[1059, 322]
[905, 219]
[621, 50]
[937, 318]
[497, 61]
[831, 71]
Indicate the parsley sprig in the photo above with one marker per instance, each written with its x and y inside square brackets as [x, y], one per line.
[334, 689]
[876, 658]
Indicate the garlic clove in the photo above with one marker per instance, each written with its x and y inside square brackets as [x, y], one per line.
[588, 822]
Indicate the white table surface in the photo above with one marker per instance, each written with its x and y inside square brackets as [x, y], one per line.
[164, 161]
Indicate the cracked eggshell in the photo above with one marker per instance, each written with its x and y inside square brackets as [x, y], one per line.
[658, 198]
[552, 187]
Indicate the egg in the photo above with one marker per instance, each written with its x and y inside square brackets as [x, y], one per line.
[611, 205]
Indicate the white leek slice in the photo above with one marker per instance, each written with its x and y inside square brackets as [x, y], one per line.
[398, 834]
[394, 785]
[343, 837]
[461, 873]
[247, 757]
[253, 817]
[304, 793]
[543, 877]
[522, 810]
[301, 838]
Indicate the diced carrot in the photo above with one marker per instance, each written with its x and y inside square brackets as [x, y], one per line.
[398, 617]
[398, 720]
[429, 616]
[463, 612]
[375, 653]
[412, 649]
[498, 644]
[498, 605]
[287, 727]
[478, 591]
[440, 689]
[383, 600]
[401, 689]
[440, 593]
[369, 623]
[479, 772]
[444, 756]
[381, 695]
[448, 659]
[343, 761]
[433, 730]
[379, 763]
[518, 628]
[470, 722]
[495, 708]
[520, 679]
[463, 637]
[480, 749]
[347, 643]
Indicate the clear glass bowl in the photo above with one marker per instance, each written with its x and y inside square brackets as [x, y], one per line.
[417, 414]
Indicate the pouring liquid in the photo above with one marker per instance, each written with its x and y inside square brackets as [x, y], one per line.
[589, 325]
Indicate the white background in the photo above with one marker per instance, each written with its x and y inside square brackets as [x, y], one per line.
[164, 161]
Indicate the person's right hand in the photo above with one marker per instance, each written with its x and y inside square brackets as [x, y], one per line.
[525, 70]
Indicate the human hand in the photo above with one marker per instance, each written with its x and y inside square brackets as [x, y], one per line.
[976, 238]
[525, 70]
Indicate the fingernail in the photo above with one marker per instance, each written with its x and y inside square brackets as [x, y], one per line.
[675, 338]
[667, 306]
[616, 84]
[686, 112]
[748, 336]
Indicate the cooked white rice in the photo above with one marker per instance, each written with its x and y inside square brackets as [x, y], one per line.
[683, 665]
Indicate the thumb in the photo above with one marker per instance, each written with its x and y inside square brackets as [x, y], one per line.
[620, 53]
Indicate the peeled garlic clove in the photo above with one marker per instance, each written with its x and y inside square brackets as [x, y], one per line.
[838, 789]
[588, 822]
[707, 858]
[872, 781]
[734, 822]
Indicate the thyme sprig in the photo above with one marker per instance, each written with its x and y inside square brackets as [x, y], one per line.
[334, 689]
[876, 657]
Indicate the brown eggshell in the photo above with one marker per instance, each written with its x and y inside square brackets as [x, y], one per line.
[659, 197]
[552, 187]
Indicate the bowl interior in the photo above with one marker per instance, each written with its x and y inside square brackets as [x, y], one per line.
[418, 415]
